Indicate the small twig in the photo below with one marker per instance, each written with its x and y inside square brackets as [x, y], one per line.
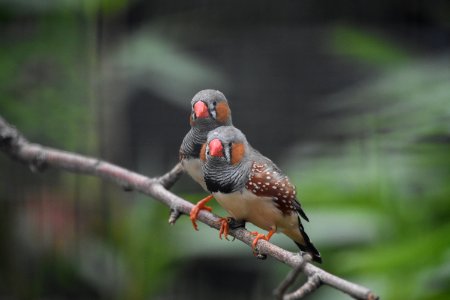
[280, 291]
[312, 284]
[169, 179]
[174, 215]
[18, 148]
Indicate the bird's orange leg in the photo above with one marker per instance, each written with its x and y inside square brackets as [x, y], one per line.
[260, 236]
[224, 228]
[196, 209]
[229, 223]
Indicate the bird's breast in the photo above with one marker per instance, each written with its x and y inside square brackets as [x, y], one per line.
[244, 205]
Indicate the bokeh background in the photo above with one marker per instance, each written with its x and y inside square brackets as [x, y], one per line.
[350, 98]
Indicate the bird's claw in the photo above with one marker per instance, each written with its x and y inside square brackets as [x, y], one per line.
[201, 205]
[229, 223]
[260, 236]
[224, 228]
[194, 214]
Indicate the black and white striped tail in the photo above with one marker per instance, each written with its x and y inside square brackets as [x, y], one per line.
[309, 247]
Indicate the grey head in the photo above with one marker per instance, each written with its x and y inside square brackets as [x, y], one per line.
[210, 109]
[226, 155]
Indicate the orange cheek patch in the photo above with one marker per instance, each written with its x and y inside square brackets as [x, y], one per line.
[203, 152]
[222, 112]
[237, 152]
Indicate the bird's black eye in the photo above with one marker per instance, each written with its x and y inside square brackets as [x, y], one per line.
[230, 144]
[214, 103]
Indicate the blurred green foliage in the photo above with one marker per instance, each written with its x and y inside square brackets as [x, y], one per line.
[90, 7]
[143, 241]
[392, 175]
[45, 86]
[366, 46]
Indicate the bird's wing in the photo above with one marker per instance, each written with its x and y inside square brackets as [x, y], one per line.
[267, 180]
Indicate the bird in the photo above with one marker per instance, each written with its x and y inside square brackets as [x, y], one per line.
[209, 110]
[251, 188]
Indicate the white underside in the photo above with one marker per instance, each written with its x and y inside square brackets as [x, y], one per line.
[261, 211]
[194, 168]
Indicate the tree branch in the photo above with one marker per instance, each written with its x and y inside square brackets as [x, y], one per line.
[280, 291]
[39, 157]
[312, 284]
[168, 179]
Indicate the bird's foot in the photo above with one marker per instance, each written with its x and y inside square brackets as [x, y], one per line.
[201, 205]
[229, 223]
[224, 228]
[260, 236]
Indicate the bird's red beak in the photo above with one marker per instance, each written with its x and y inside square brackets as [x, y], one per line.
[216, 148]
[201, 110]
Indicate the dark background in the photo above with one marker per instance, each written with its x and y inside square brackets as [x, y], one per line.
[351, 99]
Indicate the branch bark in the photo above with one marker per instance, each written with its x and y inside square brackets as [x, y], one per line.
[38, 157]
[281, 290]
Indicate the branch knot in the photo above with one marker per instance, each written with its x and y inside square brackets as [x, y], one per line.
[39, 163]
